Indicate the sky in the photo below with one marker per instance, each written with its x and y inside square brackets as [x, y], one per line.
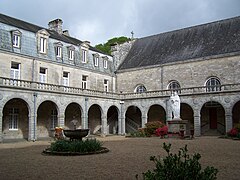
[99, 20]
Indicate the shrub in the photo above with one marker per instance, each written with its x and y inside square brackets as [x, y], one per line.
[152, 126]
[179, 166]
[139, 133]
[237, 126]
[233, 132]
[164, 129]
[88, 145]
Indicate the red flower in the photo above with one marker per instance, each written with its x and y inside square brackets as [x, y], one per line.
[163, 130]
[233, 132]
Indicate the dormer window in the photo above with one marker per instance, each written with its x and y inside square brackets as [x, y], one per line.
[96, 59]
[42, 36]
[43, 45]
[58, 50]
[71, 52]
[16, 39]
[84, 56]
[105, 62]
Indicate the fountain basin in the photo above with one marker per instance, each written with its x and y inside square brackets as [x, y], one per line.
[77, 134]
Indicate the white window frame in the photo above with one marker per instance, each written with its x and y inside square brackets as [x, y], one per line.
[105, 64]
[174, 86]
[65, 78]
[71, 54]
[140, 89]
[84, 56]
[16, 40]
[54, 119]
[213, 84]
[58, 51]
[96, 61]
[106, 85]
[43, 45]
[15, 72]
[13, 118]
[43, 75]
[84, 82]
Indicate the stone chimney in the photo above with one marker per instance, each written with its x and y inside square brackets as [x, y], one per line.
[56, 25]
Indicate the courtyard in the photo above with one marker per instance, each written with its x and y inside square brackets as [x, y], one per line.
[127, 157]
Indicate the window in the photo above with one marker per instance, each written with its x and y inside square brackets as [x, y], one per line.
[175, 86]
[54, 119]
[105, 64]
[16, 38]
[84, 56]
[140, 89]
[58, 52]
[96, 60]
[213, 84]
[71, 54]
[15, 70]
[84, 82]
[42, 75]
[65, 78]
[105, 85]
[13, 118]
[43, 45]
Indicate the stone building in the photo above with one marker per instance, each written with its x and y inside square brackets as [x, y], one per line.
[48, 78]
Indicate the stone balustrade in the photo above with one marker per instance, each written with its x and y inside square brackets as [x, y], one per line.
[36, 86]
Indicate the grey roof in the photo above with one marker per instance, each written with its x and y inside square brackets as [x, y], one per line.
[34, 28]
[205, 40]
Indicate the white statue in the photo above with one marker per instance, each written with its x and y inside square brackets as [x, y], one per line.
[175, 105]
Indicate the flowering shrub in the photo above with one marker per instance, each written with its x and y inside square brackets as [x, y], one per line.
[164, 129]
[233, 132]
[152, 126]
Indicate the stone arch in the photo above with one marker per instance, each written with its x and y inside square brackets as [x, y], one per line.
[212, 117]
[133, 119]
[236, 114]
[186, 113]
[47, 119]
[15, 120]
[95, 119]
[112, 120]
[73, 111]
[156, 113]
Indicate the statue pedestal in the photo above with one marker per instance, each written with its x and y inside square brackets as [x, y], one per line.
[175, 125]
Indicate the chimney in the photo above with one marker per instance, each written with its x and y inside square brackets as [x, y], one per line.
[56, 25]
[66, 32]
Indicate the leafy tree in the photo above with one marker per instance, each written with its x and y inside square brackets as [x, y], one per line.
[106, 47]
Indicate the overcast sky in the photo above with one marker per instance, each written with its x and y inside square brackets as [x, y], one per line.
[99, 20]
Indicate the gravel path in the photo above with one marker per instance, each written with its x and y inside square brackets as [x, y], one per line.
[127, 157]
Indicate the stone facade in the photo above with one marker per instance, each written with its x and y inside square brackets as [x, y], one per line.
[111, 102]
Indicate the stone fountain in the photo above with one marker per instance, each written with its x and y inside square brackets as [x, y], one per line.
[75, 134]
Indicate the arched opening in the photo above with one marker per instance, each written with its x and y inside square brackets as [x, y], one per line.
[236, 114]
[94, 119]
[112, 120]
[47, 119]
[156, 113]
[73, 113]
[186, 113]
[15, 119]
[212, 119]
[133, 119]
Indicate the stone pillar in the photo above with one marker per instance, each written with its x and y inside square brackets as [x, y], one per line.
[228, 120]
[197, 123]
[119, 124]
[1, 125]
[168, 111]
[61, 120]
[144, 120]
[85, 114]
[104, 126]
[32, 128]
[122, 119]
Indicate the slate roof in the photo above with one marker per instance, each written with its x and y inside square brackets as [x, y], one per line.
[34, 28]
[200, 41]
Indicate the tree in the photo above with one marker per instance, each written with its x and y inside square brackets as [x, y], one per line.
[106, 47]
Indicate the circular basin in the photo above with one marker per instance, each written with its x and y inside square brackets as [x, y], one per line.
[76, 134]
